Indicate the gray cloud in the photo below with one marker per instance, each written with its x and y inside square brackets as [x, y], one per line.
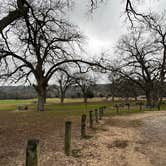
[106, 24]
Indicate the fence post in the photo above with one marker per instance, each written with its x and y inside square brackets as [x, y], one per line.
[102, 111]
[97, 116]
[158, 106]
[91, 119]
[117, 108]
[128, 106]
[83, 126]
[67, 137]
[32, 151]
[100, 114]
[140, 106]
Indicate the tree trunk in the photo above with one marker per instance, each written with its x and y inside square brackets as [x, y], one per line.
[41, 102]
[85, 99]
[41, 91]
[45, 97]
[135, 98]
[148, 99]
[62, 99]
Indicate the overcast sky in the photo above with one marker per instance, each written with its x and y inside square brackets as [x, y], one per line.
[106, 24]
[104, 27]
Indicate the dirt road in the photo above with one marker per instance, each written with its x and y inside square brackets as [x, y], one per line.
[134, 140]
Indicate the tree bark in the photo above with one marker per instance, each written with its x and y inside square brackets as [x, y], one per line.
[41, 91]
[148, 99]
[113, 98]
[85, 99]
[41, 102]
[62, 99]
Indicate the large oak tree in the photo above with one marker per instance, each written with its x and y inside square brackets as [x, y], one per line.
[39, 45]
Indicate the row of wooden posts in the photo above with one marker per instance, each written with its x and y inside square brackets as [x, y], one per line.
[140, 104]
[32, 150]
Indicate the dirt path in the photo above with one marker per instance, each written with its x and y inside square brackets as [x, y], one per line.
[135, 140]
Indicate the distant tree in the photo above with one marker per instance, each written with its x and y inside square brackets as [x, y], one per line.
[64, 81]
[85, 82]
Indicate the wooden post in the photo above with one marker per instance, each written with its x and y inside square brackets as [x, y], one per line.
[32, 151]
[97, 116]
[91, 119]
[67, 137]
[117, 108]
[102, 111]
[100, 114]
[140, 106]
[83, 126]
[128, 106]
[158, 106]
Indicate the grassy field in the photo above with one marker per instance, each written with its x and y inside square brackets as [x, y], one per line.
[16, 127]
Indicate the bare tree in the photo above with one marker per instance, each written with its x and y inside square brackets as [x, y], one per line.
[45, 42]
[85, 82]
[140, 63]
[64, 82]
[155, 23]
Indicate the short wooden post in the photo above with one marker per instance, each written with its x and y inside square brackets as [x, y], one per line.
[140, 106]
[91, 119]
[158, 106]
[100, 114]
[68, 138]
[102, 111]
[83, 126]
[97, 116]
[32, 151]
[117, 108]
[128, 106]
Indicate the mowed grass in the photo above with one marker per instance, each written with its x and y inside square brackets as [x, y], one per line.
[52, 104]
[72, 107]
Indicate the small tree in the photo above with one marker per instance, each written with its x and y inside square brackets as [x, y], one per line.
[85, 82]
[64, 81]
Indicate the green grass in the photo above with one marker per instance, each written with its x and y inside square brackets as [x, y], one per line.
[72, 107]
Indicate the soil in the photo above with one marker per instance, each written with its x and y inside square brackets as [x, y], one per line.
[130, 140]
[134, 140]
